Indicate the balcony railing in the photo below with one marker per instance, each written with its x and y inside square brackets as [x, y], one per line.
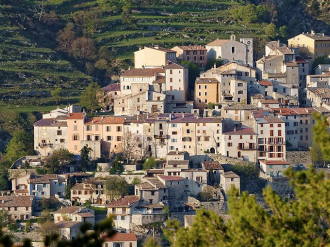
[160, 136]
[45, 145]
[246, 148]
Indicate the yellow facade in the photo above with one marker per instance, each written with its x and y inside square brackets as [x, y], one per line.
[153, 57]
[207, 90]
[312, 44]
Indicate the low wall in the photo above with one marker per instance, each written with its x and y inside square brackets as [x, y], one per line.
[299, 157]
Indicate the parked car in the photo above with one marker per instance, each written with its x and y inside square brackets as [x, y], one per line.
[299, 167]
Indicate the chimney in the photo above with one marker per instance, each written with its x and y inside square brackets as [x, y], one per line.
[312, 32]
[156, 47]
[235, 127]
[177, 151]
[182, 115]
[323, 34]
[137, 117]
[232, 37]
[140, 48]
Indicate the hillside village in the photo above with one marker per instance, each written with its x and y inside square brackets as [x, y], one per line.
[242, 112]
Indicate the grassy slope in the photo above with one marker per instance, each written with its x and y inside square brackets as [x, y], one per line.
[23, 61]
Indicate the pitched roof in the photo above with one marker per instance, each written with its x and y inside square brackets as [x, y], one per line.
[43, 179]
[178, 162]
[112, 87]
[105, 120]
[230, 175]
[126, 201]
[161, 49]
[50, 122]
[317, 36]
[121, 237]
[285, 50]
[172, 65]
[86, 215]
[67, 224]
[206, 80]
[69, 210]
[304, 111]
[214, 165]
[265, 83]
[192, 48]
[16, 201]
[156, 183]
[270, 119]
[284, 111]
[241, 107]
[143, 72]
[170, 178]
[241, 131]
[218, 42]
[192, 118]
[79, 115]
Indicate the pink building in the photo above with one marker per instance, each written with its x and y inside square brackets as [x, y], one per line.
[193, 53]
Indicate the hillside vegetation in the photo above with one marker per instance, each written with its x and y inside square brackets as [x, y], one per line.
[46, 44]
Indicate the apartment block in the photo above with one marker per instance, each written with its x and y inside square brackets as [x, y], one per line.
[153, 57]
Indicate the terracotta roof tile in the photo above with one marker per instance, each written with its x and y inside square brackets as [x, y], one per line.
[206, 80]
[50, 122]
[230, 175]
[269, 101]
[218, 42]
[171, 178]
[172, 65]
[161, 49]
[192, 48]
[241, 107]
[79, 115]
[121, 237]
[270, 119]
[112, 87]
[16, 201]
[70, 210]
[143, 72]
[241, 131]
[214, 165]
[126, 201]
[265, 83]
[67, 224]
[105, 120]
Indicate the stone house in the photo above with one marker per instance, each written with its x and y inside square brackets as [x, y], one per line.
[50, 134]
[176, 190]
[176, 81]
[237, 114]
[240, 143]
[311, 44]
[153, 57]
[207, 90]
[69, 230]
[192, 53]
[230, 50]
[120, 240]
[274, 168]
[122, 209]
[111, 92]
[89, 190]
[268, 103]
[229, 179]
[215, 168]
[195, 180]
[74, 213]
[318, 97]
[17, 207]
[152, 191]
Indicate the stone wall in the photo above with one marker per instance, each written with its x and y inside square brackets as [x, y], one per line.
[226, 160]
[299, 157]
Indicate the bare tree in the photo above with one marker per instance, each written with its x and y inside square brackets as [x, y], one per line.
[39, 9]
[130, 145]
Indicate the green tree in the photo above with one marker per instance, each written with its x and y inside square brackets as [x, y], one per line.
[20, 145]
[84, 157]
[149, 163]
[59, 158]
[193, 72]
[316, 154]
[89, 98]
[320, 60]
[117, 166]
[283, 31]
[249, 171]
[270, 30]
[56, 94]
[116, 187]
[211, 62]
[135, 181]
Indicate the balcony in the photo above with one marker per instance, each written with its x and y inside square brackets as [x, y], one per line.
[45, 145]
[160, 136]
[246, 148]
[276, 143]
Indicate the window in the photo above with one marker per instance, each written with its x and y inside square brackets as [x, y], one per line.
[171, 79]
[118, 138]
[138, 99]
[271, 133]
[75, 127]
[240, 92]
[171, 72]
[279, 125]
[75, 137]
[271, 125]
[118, 128]
[233, 50]
[230, 144]
[171, 88]
[62, 140]
[88, 127]
[108, 128]
[205, 86]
